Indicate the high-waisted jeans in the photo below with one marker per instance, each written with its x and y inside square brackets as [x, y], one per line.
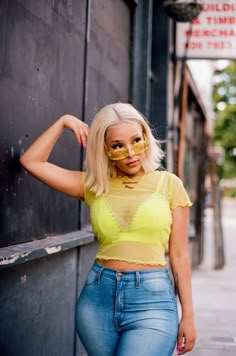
[130, 313]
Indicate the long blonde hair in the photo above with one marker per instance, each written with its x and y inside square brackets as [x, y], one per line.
[98, 167]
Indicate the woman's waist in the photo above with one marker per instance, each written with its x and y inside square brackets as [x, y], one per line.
[119, 265]
[130, 275]
[127, 255]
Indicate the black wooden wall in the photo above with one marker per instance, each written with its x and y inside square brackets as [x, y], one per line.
[56, 57]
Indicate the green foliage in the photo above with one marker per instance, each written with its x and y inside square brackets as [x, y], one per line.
[225, 85]
[231, 192]
[228, 169]
[224, 98]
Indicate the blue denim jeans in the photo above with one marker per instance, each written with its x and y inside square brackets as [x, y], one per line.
[131, 313]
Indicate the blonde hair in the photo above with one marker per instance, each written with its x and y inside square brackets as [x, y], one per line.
[98, 167]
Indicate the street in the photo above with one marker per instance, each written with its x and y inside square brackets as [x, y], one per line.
[214, 291]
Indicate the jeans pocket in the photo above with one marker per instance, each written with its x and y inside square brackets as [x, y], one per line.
[157, 286]
[91, 278]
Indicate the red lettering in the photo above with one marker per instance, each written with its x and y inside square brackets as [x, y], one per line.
[226, 7]
[209, 20]
[193, 45]
[219, 45]
[231, 20]
[211, 33]
[219, 7]
[196, 21]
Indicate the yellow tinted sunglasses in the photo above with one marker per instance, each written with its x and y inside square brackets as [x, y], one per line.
[120, 153]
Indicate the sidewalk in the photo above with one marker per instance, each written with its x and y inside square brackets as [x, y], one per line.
[214, 291]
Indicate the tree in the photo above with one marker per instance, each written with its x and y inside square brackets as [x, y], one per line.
[224, 98]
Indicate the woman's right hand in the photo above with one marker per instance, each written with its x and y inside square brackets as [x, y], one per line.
[80, 128]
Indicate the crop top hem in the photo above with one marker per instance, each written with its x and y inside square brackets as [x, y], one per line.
[104, 258]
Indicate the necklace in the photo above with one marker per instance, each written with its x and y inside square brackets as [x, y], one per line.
[130, 182]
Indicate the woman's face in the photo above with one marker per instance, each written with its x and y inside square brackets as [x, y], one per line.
[123, 140]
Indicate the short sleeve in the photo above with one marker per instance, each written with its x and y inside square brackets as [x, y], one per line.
[177, 193]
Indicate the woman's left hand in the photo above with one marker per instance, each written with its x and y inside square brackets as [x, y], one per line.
[186, 336]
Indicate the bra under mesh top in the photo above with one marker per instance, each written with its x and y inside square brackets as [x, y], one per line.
[132, 222]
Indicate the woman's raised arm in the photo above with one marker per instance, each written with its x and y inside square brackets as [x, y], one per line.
[35, 159]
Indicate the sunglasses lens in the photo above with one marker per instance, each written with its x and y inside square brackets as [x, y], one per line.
[118, 154]
[139, 147]
[122, 153]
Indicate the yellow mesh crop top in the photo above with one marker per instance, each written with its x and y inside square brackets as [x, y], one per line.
[132, 222]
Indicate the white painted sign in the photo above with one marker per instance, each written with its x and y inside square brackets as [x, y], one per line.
[212, 35]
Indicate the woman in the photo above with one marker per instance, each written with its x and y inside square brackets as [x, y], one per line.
[127, 305]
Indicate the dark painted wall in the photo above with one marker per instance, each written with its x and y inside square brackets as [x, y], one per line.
[22, 300]
[41, 78]
[160, 71]
[46, 70]
[37, 304]
[108, 61]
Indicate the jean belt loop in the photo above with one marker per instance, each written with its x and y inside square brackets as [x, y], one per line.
[99, 275]
[137, 279]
